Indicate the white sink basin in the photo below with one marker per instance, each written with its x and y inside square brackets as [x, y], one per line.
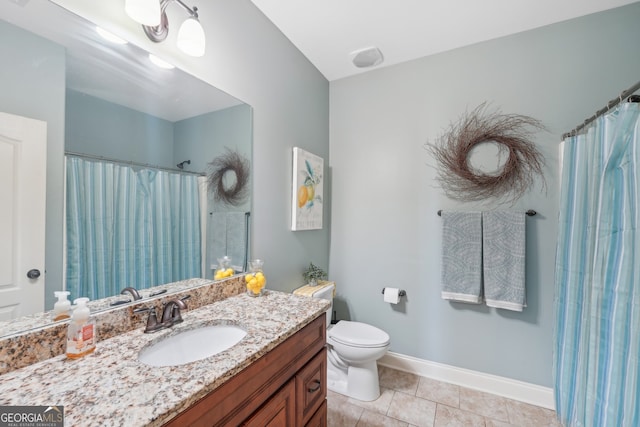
[191, 345]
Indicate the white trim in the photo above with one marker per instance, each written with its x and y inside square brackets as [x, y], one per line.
[507, 305]
[204, 207]
[456, 296]
[501, 386]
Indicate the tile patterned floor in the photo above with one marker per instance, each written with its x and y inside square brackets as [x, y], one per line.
[408, 400]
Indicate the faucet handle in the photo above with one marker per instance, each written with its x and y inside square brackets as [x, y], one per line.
[152, 321]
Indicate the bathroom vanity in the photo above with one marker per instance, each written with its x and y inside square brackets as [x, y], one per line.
[276, 375]
[285, 387]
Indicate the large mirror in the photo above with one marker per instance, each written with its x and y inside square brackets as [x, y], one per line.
[117, 108]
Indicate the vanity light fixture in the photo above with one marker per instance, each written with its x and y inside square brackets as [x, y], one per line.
[110, 36]
[160, 62]
[191, 38]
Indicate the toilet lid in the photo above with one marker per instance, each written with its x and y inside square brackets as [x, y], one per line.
[357, 334]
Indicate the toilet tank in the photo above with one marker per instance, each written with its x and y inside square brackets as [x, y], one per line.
[326, 293]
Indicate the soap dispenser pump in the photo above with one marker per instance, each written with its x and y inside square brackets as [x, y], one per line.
[81, 335]
[62, 307]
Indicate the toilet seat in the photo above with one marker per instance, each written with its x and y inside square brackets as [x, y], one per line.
[357, 334]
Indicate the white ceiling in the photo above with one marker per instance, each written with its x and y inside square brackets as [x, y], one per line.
[327, 31]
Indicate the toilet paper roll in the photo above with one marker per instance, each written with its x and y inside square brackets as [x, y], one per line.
[392, 295]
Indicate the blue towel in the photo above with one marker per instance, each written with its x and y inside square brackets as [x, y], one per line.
[236, 237]
[504, 259]
[227, 236]
[462, 256]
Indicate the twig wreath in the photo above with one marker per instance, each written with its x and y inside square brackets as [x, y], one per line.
[511, 133]
[229, 177]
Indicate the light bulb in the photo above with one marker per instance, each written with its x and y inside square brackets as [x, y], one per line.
[191, 39]
[146, 12]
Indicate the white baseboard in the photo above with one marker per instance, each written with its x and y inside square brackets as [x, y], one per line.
[501, 386]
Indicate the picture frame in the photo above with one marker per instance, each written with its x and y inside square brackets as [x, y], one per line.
[307, 191]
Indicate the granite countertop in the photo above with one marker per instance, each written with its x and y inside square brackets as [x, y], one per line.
[110, 387]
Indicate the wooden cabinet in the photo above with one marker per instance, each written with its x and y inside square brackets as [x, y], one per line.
[279, 411]
[319, 419]
[311, 388]
[284, 388]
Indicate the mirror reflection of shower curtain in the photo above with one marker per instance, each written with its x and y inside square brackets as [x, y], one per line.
[129, 228]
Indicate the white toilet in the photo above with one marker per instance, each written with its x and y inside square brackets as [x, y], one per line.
[353, 349]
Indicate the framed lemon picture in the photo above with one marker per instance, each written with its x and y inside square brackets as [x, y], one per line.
[306, 212]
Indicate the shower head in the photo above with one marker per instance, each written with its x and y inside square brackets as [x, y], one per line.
[181, 164]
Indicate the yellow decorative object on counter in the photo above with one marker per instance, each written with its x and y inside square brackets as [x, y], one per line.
[221, 274]
[223, 269]
[255, 279]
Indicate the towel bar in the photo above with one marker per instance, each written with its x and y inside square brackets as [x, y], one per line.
[530, 212]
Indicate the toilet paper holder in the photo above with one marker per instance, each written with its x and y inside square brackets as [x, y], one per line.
[401, 293]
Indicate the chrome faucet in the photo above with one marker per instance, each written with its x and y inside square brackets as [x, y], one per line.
[132, 291]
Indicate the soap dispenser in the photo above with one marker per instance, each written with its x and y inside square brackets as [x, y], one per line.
[62, 307]
[81, 335]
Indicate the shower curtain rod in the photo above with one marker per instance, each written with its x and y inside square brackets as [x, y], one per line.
[131, 163]
[599, 113]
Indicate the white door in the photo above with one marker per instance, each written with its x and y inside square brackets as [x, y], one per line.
[23, 168]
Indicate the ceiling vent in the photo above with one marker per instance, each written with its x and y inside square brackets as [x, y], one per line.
[368, 57]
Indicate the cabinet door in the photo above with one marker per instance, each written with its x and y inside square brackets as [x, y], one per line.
[311, 387]
[319, 419]
[278, 411]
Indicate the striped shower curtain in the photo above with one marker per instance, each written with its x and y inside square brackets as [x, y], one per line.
[129, 228]
[597, 335]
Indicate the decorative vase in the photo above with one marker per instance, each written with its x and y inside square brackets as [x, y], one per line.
[255, 279]
[224, 268]
[313, 282]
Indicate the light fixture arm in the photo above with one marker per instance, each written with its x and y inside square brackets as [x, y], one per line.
[159, 33]
[193, 12]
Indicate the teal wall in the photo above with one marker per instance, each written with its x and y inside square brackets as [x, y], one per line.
[203, 138]
[37, 72]
[101, 128]
[385, 230]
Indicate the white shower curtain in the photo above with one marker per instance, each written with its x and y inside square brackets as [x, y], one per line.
[129, 228]
[597, 335]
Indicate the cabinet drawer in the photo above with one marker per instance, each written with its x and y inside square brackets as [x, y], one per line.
[311, 387]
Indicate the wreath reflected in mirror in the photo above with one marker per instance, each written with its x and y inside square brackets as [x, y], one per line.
[453, 150]
[228, 178]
